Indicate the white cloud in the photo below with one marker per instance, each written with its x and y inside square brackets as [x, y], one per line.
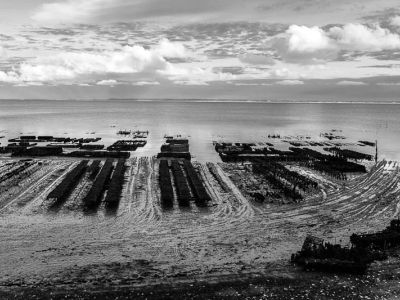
[247, 83]
[44, 71]
[11, 77]
[280, 73]
[190, 82]
[140, 83]
[68, 66]
[313, 45]
[349, 82]
[87, 11]
[304, 39]
[30, 84]
[256, 59]
[3, 52]
[107, 82]
[193, 74]
[302, 44]
[170, 49]
[362, 38]
[131, 64]
[395, 21]
[222, 53]
[290, 82]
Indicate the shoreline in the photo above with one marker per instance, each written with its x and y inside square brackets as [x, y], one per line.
[221, 101]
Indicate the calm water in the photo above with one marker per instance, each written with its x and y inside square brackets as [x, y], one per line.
[203, 122]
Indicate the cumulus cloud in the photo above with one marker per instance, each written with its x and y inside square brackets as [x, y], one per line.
[349, 82]
[169, 49]
[307, 39]
[10, 77]
[395, 21]
[301, 53]
[302, 44]
[362, 38]
[129, 64]
[290, 82]
[314, 45]
[72, 65]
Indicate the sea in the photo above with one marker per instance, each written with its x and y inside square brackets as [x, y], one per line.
[205, 122]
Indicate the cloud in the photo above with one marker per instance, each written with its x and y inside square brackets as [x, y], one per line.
[87, 11]
[250, 83]
[395, 21]
[29, 84]
[302, 44]
[290, 82]
[68, 11]
[349, 82]
[314, 45]
[3, 52]
[107, 82]
[305, 39]
[283, 73]
[359, 37]
[10, 77]
[256, 59]
[190, 82]
[72, 65]
[128, 64]
[141, 83]
[195, 74]
[274, 11]
[96, 52]
[169, 49]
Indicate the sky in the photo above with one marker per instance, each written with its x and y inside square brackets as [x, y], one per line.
[210, 49]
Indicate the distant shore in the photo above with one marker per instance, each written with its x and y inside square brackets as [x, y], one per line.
[211, 100]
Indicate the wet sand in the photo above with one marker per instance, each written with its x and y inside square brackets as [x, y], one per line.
[234, 240]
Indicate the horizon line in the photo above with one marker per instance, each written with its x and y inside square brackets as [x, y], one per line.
[217, 100]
